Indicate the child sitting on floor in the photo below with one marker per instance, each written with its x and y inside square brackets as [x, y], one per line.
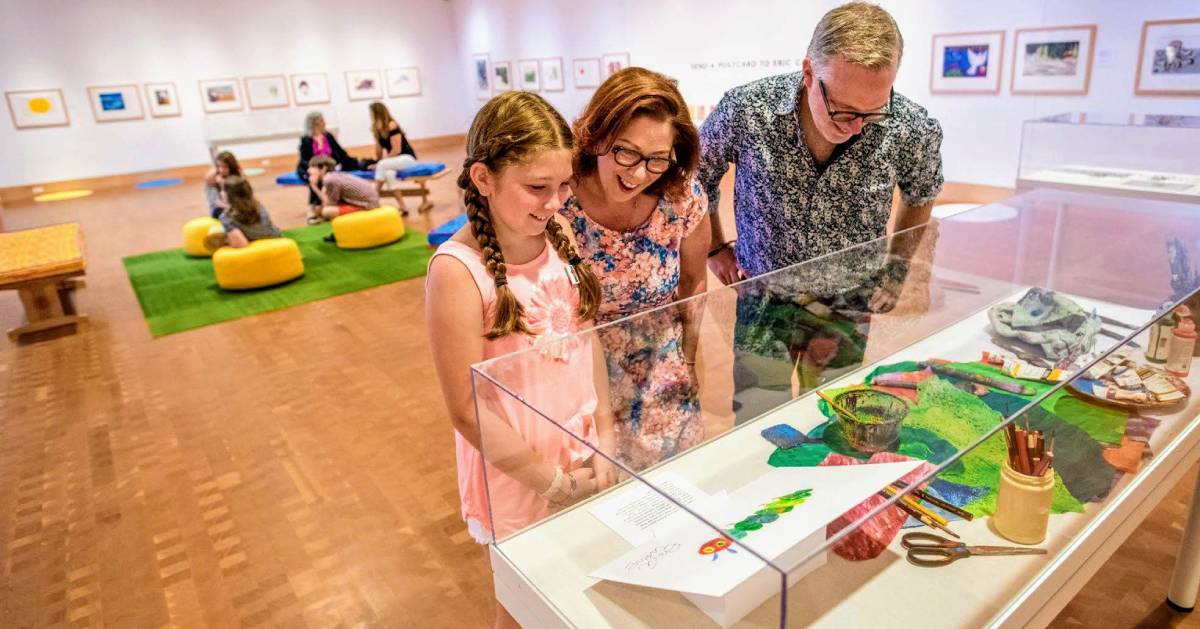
[244, 221]
[340, 193]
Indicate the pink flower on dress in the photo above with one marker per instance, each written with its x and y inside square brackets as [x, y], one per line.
[550, 315]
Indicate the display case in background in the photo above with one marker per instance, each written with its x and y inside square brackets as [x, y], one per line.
[1139, 155]
[714, 525]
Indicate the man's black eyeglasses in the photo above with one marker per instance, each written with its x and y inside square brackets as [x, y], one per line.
[850, 116]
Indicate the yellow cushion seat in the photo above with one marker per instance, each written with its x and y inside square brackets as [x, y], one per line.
[262, 263]
[194, 232]
[368, 228]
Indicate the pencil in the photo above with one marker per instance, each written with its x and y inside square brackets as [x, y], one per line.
[938, 502]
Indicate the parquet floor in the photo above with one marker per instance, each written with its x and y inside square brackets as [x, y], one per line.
[292, 469]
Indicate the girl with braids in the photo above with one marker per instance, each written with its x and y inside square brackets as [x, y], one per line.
[510, 280]
[641, 219]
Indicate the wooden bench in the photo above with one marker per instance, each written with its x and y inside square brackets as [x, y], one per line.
[420, 188]
[44, 265]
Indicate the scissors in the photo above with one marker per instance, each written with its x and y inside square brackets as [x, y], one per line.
[932, 551]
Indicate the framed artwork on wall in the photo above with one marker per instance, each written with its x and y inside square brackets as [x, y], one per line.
[528, 75]
[967, 63]
[404, 82]
[1169, 58]
[112, 103]
[163, 100]
[501, 76]
[586, 72]
[364, 85]
[219, 95]
[266, 92]
[310, 89]
[481, 75]
[552, 74]
[32, 109]
[612, 63]
[1053, 61]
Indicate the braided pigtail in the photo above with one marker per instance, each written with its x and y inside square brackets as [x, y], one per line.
[589, 286]
[509, 314]
[506, 131]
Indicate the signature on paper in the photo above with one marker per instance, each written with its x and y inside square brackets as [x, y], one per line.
[650, 559]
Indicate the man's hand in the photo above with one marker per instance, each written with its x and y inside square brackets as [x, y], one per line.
[724, 265]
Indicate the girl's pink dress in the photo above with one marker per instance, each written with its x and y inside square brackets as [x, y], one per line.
[555, 377]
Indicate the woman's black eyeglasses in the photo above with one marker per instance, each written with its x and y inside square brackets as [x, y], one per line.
[629, 158]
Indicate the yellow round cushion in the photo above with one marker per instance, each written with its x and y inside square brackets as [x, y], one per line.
[368, 228]
[194, 232]
[262, 263]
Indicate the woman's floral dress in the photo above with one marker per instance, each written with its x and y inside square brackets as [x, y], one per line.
[654, 399]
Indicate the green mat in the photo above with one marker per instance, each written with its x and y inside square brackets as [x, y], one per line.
[179, 293]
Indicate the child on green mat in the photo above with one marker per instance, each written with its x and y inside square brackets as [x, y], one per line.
[245, 220]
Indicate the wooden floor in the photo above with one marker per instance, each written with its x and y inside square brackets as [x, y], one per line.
[290, 469]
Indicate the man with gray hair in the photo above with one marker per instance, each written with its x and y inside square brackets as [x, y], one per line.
[818, 155]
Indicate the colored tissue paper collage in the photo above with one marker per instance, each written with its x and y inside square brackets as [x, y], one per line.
[1095, 444]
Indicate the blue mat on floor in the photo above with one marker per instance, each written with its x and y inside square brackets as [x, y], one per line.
[420, 169]
[158, 183]
[442, 233]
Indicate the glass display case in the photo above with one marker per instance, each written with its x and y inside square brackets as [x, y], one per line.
[766, 450]
[1139, 155]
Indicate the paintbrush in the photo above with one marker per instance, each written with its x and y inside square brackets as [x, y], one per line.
[892, 490]
[987, 381]
[834, 405]
[1022, 452]
[922, 518]
[937, 502]
[1047, 460]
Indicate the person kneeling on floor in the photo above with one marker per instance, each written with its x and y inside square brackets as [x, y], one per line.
[244, 221]
[340, 193]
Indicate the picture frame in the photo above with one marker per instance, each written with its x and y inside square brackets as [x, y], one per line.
[364, 85]
[403, 82]
[116, 103]
[551, 74]
[501, 77]
[967, 63]
[1169, 58]
[162, 100]
[221, 95]
[613, 62]
[1053, 60]
[586, 72]
[267, 92]
[36, 109]
[481, 73]
[529, 75]
[310, 89]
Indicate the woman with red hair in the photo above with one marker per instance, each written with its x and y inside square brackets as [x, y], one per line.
[641, 222]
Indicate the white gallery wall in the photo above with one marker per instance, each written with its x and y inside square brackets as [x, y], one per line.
[711, 45]
[71, 45]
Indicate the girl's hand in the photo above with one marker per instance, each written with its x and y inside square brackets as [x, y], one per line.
[606, 473]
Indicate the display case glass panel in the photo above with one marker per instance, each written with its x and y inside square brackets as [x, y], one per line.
[1139, 155]
[745, 499]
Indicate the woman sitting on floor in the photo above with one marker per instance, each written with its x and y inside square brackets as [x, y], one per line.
[392, 151]
[224, 165]
[244, 221]
[317, 141]
[338, 193]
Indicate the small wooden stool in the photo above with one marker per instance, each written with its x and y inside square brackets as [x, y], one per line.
[421, 189]
[44, 266]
